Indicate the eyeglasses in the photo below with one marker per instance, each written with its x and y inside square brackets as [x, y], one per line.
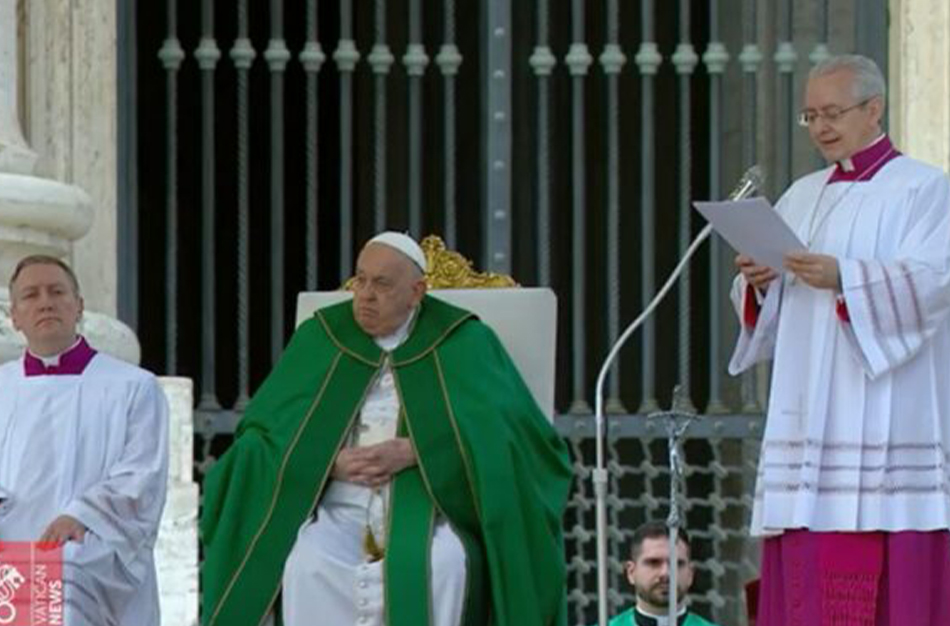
[829, 114]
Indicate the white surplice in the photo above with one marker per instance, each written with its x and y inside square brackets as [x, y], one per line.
[858, 429]
[93, 446]
[327, 573]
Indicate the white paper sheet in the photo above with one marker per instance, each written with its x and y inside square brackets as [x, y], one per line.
[753, 228]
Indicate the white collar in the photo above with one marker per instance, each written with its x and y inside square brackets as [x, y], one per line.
[661, 620]
[393, 340]
[53, 359]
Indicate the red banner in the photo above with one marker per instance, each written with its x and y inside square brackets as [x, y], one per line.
[31, 584]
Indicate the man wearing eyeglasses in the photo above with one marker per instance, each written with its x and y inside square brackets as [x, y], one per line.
[853, 490]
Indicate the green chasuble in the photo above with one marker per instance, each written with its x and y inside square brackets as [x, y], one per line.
[489, 463]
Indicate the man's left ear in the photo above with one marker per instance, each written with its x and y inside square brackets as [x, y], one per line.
[877, 108]
[628, 568]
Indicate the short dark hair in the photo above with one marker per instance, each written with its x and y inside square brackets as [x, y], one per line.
[44, 259]
[654, 530]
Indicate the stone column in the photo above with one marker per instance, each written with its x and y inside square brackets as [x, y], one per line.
[920, 79]
[41, 209]
[15, 155]
[176, 553]
[70, 121]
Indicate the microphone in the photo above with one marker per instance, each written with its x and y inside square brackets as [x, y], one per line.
[752, 181]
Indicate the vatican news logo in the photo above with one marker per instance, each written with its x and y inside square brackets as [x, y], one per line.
[31, 584]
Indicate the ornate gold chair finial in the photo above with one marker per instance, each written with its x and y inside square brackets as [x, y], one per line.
[451, 270]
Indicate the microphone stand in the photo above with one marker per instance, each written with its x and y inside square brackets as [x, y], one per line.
[750, 182]
[599, 474]
[678, 420]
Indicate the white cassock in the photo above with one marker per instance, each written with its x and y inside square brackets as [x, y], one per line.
[328, 574]
[858, 430]
[92, 446]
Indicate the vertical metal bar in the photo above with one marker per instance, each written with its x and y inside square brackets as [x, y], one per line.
[543, 62]
[171, 56]
[449, 59]
[715, 60]
[415, 61]
[277, 56]
[819, 53]
[871, 32]
[578, 60]
[648, 59]
[312, 58]
[785, 59]
[242, 54]
[685, 59]
[127, 214]
[613, 59]
[207, 55]
[380, 59]
[497, 211]
[750, 59]
[346, 57]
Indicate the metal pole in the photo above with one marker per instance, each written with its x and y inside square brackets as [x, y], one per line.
[449, 59]
[497, 138]
[685, 60]
[750, 59]
[785, 59]
[648, 59]
[207, 55]
[242, 54]
[415, 61]
[380, 59]
[542, 62]
[346, 57]
[171, 55]
[277, 57]
[613, 59]
[578, 61]
[312, 58]
[715, 59]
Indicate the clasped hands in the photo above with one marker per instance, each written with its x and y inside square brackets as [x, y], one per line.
[816, 270]
[375, 465]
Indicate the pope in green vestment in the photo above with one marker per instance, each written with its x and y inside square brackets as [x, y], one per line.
[488, 462]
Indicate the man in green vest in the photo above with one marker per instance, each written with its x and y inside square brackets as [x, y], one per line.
[648, 572]
[393, 469]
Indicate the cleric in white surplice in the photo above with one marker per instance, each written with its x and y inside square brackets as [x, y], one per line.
[853, 488]
[83, 454]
